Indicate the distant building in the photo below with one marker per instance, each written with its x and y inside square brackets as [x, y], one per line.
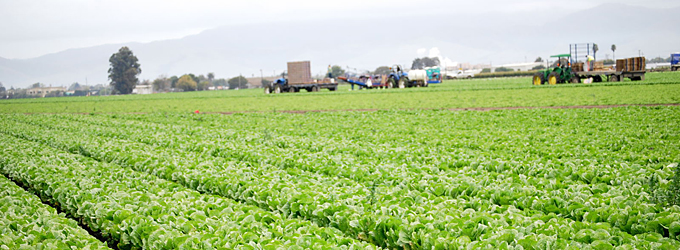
[143, 89]
[43, 91]
[519, 66]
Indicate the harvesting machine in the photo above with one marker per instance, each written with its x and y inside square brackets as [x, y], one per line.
[397, 78]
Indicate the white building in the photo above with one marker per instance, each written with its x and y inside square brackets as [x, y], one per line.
[143, 89]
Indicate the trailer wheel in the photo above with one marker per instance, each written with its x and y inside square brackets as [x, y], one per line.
[553, 78]
[469, 77]
[614, 78]
[539, 79]
[575, 79]
[402, 83]
[315, 89]
[277, 89]
[332, 88]
[292, 90]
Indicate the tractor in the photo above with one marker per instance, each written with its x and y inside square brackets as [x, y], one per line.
[562, 73]
[400, 79]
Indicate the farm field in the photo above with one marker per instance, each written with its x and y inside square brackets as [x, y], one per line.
[420, 179]
[145, 172]
[658, 88]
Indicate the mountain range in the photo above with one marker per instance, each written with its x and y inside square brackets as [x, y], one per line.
[365, 43]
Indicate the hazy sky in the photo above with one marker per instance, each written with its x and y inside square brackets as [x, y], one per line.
[32, 28]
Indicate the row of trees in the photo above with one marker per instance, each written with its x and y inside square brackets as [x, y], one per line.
[191, 82]
[124, 69]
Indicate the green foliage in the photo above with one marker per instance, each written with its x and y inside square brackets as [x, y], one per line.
[666, 193]
[659, 59]
[538, 67]
[486, 70]
[456, 181]
[135, 210]
[382, 70]
[503, 69]
[499, 92]
[37, 85]
[162, 84]
[203, 85]
[26, 223]
[337, 71]
[421, 63]
[220, 82]
[123, 70]
[186, 83]
[538, 59]
[238, 82]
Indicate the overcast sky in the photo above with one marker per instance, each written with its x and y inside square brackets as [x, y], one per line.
[32, 28]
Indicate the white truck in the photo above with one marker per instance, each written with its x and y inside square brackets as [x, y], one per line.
[459, 74]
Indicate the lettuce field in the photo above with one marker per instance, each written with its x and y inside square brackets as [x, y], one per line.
[395, 178]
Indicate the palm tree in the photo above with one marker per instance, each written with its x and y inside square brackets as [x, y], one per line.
[614, 51]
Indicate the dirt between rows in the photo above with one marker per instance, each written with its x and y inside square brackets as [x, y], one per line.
[456, 109]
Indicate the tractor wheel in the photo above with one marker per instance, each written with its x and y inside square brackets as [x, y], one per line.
[391, 83]
[539, 79]
[553, 78]
[267, 90]
[402, 83]
[277, 89]
[597, 78]
[575, 79]
[614, 78]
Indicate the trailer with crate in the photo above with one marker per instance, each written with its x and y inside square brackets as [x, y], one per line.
[568, 68]
[631, 68]
[300, 77]
[566, 72]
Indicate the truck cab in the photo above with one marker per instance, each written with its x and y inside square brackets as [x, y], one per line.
[675, 61]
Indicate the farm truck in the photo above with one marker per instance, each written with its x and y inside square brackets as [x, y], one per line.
[396, 79]
[300, 77]
[568, 71]
[675, 61]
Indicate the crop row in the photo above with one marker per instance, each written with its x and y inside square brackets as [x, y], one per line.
[499, 189]
[464, 205]
[137, 210]
[27, 223]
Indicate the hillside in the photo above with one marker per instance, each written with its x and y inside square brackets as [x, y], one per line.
[363, 43]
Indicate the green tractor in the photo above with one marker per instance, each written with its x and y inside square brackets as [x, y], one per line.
[560, 74]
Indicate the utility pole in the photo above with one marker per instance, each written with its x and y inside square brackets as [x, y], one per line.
[261, 77]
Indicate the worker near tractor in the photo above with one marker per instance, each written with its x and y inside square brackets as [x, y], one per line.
[330, 71]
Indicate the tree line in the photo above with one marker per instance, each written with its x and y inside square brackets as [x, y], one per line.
[124, 69]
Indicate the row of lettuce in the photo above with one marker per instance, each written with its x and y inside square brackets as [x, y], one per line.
[415, 206]
[134, 210]
[27, 223]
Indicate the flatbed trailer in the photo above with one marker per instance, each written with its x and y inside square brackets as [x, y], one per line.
[300, 77]
[610, 75]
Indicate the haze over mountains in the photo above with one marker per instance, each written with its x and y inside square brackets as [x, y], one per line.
[366, 43]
